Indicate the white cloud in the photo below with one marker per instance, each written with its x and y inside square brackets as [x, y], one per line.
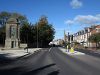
[76, 4]
[98, 15]
[88, 19]
[69, 22]
[85, 19]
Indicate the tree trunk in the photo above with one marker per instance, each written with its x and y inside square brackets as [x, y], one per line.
[96, 45]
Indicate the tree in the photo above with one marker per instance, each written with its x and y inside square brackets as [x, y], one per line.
[45, 31]
[20, 17]
[29, 32]
[4, 16]
[95, 38]
[2, 35]
[26, 33]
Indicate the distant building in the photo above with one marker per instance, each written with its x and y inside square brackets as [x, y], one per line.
[58, 42]
[83, 35]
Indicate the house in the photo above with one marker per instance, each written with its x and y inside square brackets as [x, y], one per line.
[83, 35]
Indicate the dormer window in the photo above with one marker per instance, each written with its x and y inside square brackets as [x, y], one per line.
[97, 29]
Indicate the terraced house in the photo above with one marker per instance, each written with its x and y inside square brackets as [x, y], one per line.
[83, 35]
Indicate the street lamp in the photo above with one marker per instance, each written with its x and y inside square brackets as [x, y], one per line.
[27, 42]
[37, 36]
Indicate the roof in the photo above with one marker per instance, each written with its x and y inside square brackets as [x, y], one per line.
[12, 20]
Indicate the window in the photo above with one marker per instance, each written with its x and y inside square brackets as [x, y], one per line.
[97, 29]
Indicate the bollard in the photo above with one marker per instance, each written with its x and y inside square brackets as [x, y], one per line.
[72, 50]
[67, 49]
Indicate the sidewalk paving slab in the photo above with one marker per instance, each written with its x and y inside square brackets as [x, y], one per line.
[18, 53]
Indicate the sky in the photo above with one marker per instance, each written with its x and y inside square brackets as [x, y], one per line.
[68, 15]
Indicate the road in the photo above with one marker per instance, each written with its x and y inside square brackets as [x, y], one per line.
[52, 61]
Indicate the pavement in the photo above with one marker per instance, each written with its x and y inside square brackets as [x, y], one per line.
[18, 52]
[98, 51]
[95, 51]
[71, 53]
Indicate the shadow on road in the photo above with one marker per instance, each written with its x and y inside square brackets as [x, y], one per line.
[34, 72]
[4, 59]
[54, 73]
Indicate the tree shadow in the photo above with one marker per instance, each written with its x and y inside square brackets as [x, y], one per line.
[4, 59]
[34, 72]
[54, 73]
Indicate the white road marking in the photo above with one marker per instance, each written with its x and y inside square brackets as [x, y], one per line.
[50, 49]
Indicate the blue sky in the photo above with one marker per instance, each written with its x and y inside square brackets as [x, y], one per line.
[68, 15]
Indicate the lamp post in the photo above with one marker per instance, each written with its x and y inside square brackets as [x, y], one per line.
[27, 42]
[37, 36]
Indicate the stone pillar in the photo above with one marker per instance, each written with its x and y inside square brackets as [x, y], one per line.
[12, 34]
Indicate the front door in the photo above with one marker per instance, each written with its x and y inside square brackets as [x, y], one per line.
[12, 44]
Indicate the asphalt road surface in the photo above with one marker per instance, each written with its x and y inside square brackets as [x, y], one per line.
[51, 61]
